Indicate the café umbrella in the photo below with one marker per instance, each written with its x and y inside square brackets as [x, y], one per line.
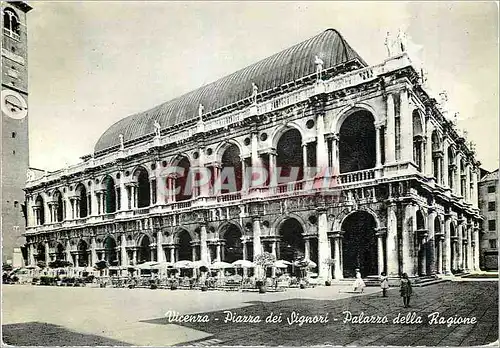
[243, 264]
[221, 265]
[184, 264]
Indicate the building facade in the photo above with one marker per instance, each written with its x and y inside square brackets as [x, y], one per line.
[489, 200]
[356, 163]
[15, 142]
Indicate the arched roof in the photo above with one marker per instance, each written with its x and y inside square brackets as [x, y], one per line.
[286, 66]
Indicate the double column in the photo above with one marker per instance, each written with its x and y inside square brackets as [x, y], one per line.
[337, 255]
[324, 252]
[381, 234]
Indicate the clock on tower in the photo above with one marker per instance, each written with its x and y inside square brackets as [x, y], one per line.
[15, 144]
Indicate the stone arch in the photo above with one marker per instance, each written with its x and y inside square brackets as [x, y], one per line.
[140, 175]
[82, 192]
[227, 223]
[280, 220]
[109, 185]
[357, 143]
[348, 111]
[224, 145]
[342, 217]
[179, 230]
[279, 131]
[58, 198]
[230, 158]
[292, 244]
[60, 250]
[359, 243]
[231, 232]
[183, 180]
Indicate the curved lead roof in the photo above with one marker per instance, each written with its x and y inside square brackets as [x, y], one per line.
[283, 67]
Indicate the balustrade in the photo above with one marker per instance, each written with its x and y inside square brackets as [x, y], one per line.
[361, 175]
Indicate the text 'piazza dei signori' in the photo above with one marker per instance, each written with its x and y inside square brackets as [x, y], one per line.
[308, 152]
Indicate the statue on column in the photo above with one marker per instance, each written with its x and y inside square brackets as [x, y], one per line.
[255, 90]
[402, 41]
[319, 67]
[200, 111]
[389, 43]
[157, 128]
[122, 145]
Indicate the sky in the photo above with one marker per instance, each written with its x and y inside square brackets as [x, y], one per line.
[93, 63]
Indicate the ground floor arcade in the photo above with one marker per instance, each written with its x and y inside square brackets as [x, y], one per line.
[393, 238]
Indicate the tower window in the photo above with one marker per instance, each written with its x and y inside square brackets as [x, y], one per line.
[13, 134]
[11, 24]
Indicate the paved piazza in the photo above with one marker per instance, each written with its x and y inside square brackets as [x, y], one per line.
[93, 316]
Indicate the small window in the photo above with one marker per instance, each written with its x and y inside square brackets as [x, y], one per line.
[13, 134]
[493, 243]
[13, 152]
[491, 189]
[491, 206]
[492, 225]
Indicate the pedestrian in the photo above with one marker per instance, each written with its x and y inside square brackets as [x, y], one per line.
[405, 290]
[384, 284]
[359, 284]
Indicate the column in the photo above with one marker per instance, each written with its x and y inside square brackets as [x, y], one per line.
[423, 254]
[392, 242]
[460, 260]
[458, 179]
[390, 143]
[447, 246]
[474, 188]
[337, 267]
[193, 252]
[378, 150]
[244, 178]
[244, 244]
[257, 246]
[304, 161]
[273, 248]
[123, 251]
[172, 254]
[470, 252]
[68, 252]
[476, 248]
[160, 255]
[445, 163]
[408, 234]
[406, 127]
[31, 254]
[335, 155]
[77, 208]
[467, 194]
[440, 255]
[218, 252]
[324, 251]
[273, 171]
[380, 250]
[321, 148]
[93, 252]
[47, 257]
[204, 255]
[307, 253]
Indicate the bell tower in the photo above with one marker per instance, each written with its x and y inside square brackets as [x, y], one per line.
[15, 142]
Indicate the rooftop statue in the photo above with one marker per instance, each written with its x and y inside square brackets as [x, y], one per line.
[255, 90]
[122, 145]
[319, 66]
[200, 111]
[157, 128]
